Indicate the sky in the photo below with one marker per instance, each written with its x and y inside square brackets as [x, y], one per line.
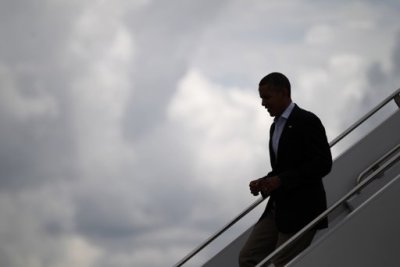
[131, 129]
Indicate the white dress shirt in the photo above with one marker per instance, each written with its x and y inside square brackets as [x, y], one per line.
[280, 123]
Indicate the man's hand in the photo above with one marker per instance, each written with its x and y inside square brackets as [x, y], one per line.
[264, 185]
[269, 184]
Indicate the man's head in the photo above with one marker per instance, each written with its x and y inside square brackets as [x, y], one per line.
[274, 91]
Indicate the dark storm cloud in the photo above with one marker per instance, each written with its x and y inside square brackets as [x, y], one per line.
[166, 33]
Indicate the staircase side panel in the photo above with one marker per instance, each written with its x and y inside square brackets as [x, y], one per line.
[369, 237]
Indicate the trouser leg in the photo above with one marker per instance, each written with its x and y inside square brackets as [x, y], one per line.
[261, 242]
[294, 249]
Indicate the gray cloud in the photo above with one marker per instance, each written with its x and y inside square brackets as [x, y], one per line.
[166, 34]
[34, 31]
[36, 144]
[396, 57]
[382, 82]
[153, 192]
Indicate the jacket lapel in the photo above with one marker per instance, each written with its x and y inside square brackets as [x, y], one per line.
[271, 151]
[288, 126]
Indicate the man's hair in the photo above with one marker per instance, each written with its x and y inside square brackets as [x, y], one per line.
[276, 80]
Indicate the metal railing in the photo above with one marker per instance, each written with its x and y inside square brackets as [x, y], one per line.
[377, 163]
[219, 232]
[376, 173]
[394, 96]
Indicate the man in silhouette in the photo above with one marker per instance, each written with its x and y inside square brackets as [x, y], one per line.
[300, 157]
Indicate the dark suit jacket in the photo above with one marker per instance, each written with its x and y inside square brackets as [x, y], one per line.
[304, 158]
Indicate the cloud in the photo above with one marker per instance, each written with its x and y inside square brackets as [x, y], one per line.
[320, 35]
[166, 34]
[35, 31]
[34, 113]
[125, 124]
[227, 123]
[56, 100]
[396, 56]
[382, 79]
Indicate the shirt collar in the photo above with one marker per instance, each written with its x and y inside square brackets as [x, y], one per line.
[287, 112]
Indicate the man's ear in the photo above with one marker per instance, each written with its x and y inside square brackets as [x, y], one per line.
[285, 91]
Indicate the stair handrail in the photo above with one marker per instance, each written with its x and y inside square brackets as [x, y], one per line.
[219, 232]
[394, 96]
[377, 163]
[376, 173]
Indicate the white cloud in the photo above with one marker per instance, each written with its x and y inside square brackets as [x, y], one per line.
[228, 131]
[100, 92]
[78, 253]
[320, 35]
[332, 89]
[228, 121]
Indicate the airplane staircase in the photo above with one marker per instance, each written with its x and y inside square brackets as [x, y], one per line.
[363, 193]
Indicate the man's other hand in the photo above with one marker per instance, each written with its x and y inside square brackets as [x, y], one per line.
[255, 186]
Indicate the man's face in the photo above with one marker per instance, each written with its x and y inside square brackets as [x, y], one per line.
[274, 101]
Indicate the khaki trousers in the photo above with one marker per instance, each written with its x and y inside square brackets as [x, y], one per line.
[265, 238]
